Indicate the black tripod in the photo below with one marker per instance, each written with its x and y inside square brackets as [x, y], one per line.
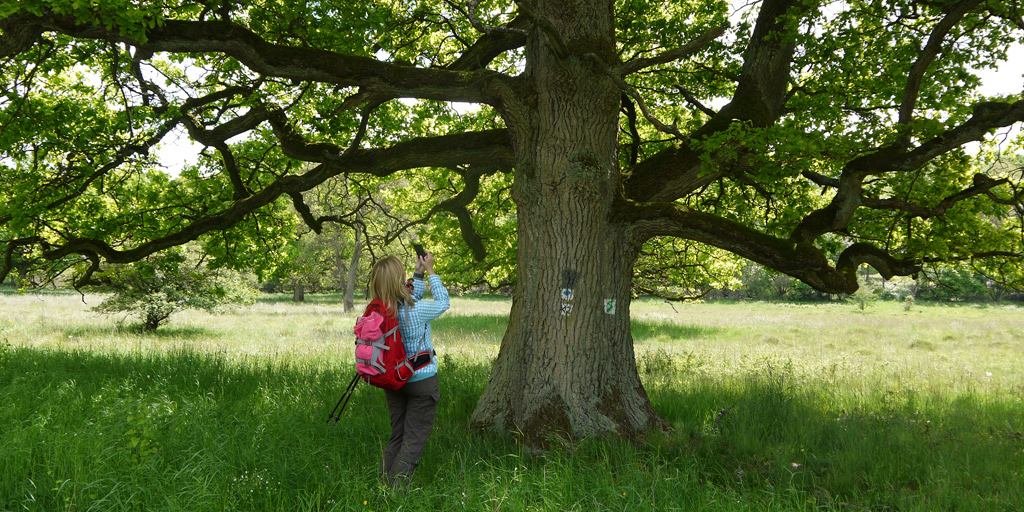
[343, 401]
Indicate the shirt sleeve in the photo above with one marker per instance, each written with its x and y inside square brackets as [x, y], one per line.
[418, 286]
[428, 310]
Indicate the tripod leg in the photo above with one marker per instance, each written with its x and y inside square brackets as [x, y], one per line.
[348, 395]
[330, 416]
[343, 401]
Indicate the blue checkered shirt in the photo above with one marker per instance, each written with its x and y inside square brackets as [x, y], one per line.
[416, 326]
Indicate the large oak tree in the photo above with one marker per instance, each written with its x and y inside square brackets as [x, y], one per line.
[811, 137]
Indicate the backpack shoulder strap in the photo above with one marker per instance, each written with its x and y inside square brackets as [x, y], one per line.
[423, 338]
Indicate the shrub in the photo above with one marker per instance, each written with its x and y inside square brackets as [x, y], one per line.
[949, 284]
[865, 295]
[164, 284]
[898, 288]
[764, 284]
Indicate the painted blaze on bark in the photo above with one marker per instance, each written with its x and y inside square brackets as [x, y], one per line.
[566, 362]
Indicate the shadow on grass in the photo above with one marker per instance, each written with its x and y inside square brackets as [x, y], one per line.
[769, 428]
[339, 298]
[206, 433]
[646, 331]
[494, 327]
[138, 329]
[486, 297]
[202, 427]
[13, 290]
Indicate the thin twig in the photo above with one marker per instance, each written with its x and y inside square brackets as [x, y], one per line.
[692, 100]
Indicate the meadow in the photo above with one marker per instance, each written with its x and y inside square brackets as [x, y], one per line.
[772, 407]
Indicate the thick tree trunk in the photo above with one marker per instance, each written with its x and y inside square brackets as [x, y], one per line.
[566, 363]
[298, 291]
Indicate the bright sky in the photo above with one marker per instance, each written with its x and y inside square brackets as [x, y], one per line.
[1008, 79]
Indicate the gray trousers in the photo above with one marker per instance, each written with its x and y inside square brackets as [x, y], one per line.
[412, 411]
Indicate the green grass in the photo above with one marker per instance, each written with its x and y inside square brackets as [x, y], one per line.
[773, 407]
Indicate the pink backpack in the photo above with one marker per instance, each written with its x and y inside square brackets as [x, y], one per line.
[380, 354]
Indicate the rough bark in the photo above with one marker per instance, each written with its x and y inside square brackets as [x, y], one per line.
[566, 363]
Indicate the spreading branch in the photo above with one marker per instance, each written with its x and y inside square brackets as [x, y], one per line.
[692, 100]
[801, 260]
[630, 111]
[849, 188]
[982, 186]
[457, 206]
[18, 35]
[627, 89]
[12, 247]
[491, 45]
[928, 54]
[357, 141]
[293, 63]
[701, 42]
[554, 37]
[758, 100]
[490, 148]
[472, 7]
[217, 138]
[117, 159]
[887, 266]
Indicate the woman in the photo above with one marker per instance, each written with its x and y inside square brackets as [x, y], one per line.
[413, 406]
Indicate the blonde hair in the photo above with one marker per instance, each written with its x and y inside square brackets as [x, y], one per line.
[387, 283]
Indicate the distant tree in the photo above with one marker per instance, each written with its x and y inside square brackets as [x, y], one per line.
[158, 286]
[346, 205]
[763, 283]
[344, 221]
[349, 272]
[309, 264]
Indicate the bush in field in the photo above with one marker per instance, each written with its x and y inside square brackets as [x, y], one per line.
[164, 284]
[865, 295]
[764, 284]
[801, 291]
[899, 288]
[951, 284]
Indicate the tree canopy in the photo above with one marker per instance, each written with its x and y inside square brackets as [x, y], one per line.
[811, 137]
[843, 134]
